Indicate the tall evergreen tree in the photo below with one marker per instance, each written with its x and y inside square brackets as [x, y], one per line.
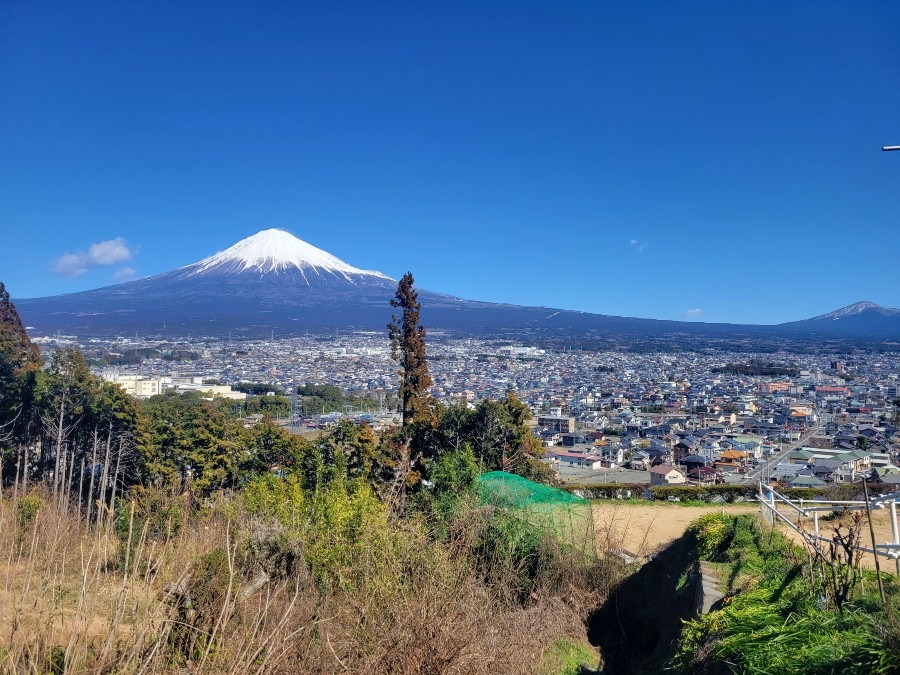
[66, 403]
[13, 337]
[189, 444]
[20, 361]
[408, 349]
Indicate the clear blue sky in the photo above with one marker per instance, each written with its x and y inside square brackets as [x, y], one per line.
[716, 161]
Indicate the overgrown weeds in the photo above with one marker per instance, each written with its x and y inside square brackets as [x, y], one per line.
[280, 580]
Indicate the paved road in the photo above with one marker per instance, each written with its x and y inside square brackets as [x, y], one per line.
[769, 463]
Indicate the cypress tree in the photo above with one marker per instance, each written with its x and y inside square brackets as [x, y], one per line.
[408, 349]
[17, 352]
[20, 360]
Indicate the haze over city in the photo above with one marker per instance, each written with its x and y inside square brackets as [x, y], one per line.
[694, 162]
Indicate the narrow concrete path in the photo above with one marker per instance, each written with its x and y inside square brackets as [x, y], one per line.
[709, 590]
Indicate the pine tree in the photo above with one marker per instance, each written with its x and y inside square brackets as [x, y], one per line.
[408, 349]
[20, 360]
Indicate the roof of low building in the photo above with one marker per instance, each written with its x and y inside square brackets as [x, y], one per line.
[664, 469]
[733, 454]
[806, 481]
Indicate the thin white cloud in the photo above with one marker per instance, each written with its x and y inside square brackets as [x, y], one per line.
[101, 254]
[109, 252]
[694, 313]
[70, 265]
[640, 245]
[124, 274]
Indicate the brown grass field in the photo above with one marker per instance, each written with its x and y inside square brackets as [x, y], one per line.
[643, 528]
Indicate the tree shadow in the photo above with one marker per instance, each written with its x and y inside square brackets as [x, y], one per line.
[638, 627]
[795, 572]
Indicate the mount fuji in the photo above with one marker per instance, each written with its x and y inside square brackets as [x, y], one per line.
[271, 281]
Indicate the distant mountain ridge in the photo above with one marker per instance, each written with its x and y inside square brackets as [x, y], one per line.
[864, 318]
[858, 308]
[273, 282]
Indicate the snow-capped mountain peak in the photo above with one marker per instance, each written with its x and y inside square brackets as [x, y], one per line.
[850, 310]
[275, 250]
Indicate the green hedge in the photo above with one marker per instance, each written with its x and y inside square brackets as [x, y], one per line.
[608, 490]
[702, 493]
[705, 493]
[660, 492]
[842, 491]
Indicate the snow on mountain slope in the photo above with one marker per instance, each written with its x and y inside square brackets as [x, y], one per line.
[273, 281]
[855, 309]
[277, 251]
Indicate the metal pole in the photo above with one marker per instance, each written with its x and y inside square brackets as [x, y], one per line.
[895, 531]
[874, 545]
[771, 506]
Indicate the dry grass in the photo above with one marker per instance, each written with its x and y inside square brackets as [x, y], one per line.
[69, 603]
[644, 528]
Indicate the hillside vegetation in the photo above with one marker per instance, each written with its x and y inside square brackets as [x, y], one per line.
[163, 536]
[785, 611]
[280, 579]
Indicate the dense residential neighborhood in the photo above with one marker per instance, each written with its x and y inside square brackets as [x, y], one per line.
[662, 418]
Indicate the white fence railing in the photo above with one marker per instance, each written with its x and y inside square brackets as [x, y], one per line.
[771, 500]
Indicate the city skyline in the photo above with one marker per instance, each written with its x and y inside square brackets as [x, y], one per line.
[704, 163]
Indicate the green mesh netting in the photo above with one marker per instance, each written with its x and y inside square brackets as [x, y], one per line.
[563, 513]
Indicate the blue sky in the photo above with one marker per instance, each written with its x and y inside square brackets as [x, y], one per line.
[711, 161]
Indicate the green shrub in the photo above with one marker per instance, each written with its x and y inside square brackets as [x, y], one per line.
[160, 512]
[157, 515]
[569, 658]
[27, 508]
[840, 491]
[210, 579]
[608, 490]
[344, 519]
[509, 552]
[711, 531]
[662, 492]
[57, 660]
[278, 497]
[199, 604]
[703, 493]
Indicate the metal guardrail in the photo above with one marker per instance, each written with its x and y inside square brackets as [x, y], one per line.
[771, 499]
